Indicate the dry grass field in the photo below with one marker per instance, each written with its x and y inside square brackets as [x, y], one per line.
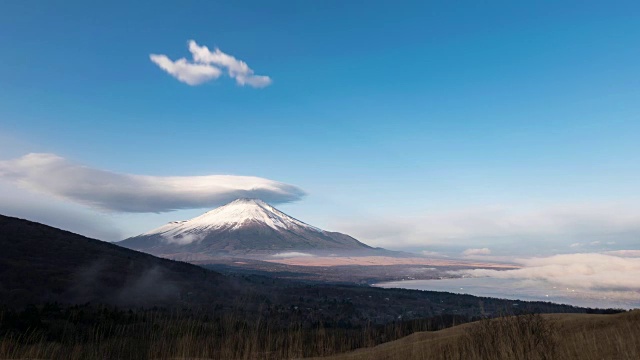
[554, 336]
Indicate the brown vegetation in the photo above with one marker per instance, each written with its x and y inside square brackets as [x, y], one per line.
[535, 337]
[97, 331]
[157, 336]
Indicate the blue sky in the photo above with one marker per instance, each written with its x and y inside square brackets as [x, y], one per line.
[384, 113]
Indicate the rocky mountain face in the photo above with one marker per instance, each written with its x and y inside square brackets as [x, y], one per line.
[242, 227]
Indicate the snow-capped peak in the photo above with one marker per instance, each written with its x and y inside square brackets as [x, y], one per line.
[233, 216]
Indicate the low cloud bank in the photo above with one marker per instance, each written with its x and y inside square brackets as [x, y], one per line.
[291, 254]
[432, 253]
[596, 273]
[624, 253]
[596, 226]
[111, 191]
[472, 252]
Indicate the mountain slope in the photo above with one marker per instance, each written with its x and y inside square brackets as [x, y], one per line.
[242, 227]
[40, 263]
[565, 336]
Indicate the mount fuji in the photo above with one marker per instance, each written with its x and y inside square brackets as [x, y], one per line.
[244, 227]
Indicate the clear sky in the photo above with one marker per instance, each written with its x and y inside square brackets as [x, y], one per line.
[433, 126]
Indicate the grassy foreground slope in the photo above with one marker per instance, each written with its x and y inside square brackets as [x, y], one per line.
[551, 336]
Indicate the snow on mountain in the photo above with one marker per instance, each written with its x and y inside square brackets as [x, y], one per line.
[244, 226]
[232, 216]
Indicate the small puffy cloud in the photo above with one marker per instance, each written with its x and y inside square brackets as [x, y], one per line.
[112, 191]
[472, 252]
[237, 69]
[291, 254]
[614, 273]
[188, 73]
[207, 66]
[183, 239]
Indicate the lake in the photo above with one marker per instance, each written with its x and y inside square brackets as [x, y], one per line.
[515, 289]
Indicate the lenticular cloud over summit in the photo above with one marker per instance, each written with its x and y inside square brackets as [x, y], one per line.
[112, 191]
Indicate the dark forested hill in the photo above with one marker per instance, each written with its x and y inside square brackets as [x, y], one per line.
[39, 263]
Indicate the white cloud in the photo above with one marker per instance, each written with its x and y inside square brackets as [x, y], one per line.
[291, 254]
[472, 252]
[432, 253]
[206, 66]
[237, 69]
[184, 239]
[192, 74]
[624, 253]
[23, 204]
[587, 272]
[497, 227]
[107, 190]
[256, 81]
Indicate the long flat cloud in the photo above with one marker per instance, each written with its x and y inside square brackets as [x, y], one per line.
[112, 191]
[207, 65]
[594, 225]
[607, 274]
[57, 213]
[482, 251]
